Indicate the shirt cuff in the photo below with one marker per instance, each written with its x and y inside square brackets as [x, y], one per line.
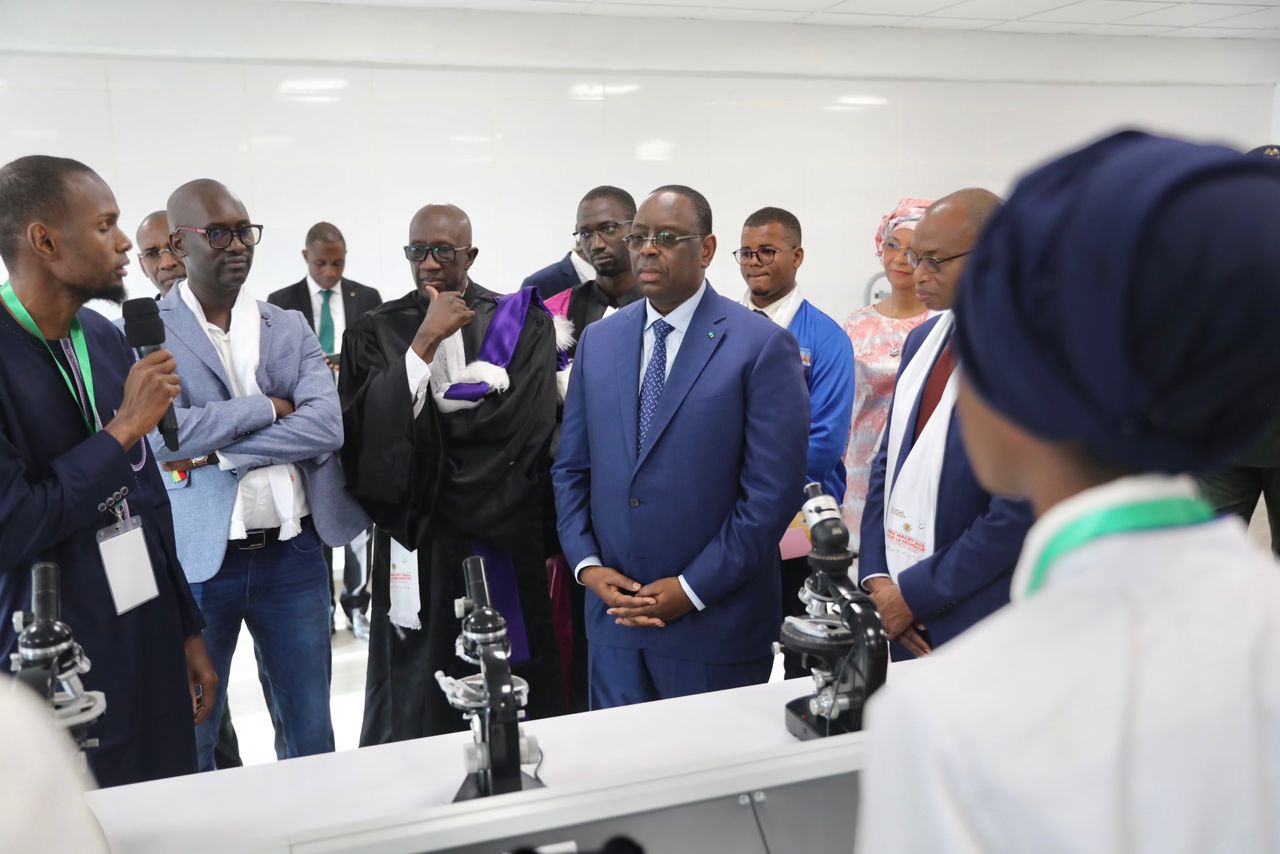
[863, 582]
[273, 409]
[419, 373]
[693, 597]
[589, 560]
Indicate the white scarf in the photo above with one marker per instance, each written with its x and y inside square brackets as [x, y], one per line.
[911, 500]
[245, 340]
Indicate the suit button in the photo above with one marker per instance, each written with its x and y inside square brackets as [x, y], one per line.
[634, 502]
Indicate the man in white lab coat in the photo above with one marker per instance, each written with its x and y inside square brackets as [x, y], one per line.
[1128, 700]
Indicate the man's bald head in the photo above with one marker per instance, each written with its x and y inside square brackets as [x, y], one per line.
[209, 206]
[942, 241]
[441, 228]
[157, 260]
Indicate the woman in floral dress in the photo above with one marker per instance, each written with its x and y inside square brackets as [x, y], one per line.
[877, 332]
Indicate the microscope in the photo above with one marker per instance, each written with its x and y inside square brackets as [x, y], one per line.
[841, 641]
[50, 662]
[492, 700]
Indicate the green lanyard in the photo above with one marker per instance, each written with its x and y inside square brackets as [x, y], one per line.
[1143, 516]
[77, 343]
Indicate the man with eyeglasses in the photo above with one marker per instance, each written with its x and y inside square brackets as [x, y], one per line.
[770, 257]
[938, 550]
[256, 488]
[330, 301]
[671, 514]
[603, 222]
[159, 264]
[449, 399]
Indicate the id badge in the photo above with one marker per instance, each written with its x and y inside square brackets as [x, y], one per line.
[127, 563]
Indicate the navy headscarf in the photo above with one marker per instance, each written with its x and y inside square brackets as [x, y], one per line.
[1127, 299]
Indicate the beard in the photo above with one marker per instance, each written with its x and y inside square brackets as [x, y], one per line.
[611, 266]
[111, 292]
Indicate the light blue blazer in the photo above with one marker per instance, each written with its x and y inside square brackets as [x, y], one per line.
[242, 430]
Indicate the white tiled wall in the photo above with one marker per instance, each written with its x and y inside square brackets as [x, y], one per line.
[363, 144]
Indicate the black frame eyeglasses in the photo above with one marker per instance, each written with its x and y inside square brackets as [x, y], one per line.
[220, 236]
[606, 229]
[931, 264]
[443, 253]
[663, 240]
[765, 254]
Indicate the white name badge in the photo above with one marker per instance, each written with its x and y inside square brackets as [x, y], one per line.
[127, 563]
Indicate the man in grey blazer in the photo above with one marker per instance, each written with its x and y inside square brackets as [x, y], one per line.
[255, 485]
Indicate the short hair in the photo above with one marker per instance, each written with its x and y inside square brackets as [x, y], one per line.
[776, 216]
[32, 188]
[325, 232]
[701, 206]
[616, 194]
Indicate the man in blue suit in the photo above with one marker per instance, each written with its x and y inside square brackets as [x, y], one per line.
[256, 486]
[680, 459]
[938, 551]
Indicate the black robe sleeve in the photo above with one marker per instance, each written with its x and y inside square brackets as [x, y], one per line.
[391, 458]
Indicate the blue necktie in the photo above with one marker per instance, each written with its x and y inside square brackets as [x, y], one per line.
[655, 375]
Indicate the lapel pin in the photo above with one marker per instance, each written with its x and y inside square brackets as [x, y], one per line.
[711, 335]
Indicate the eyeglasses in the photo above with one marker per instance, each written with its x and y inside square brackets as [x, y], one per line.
[891, 245]
[765, 254]
[662, 240]
[931, 264]
[220, 237]
[608, 229]
[417, 252]
[154, 254]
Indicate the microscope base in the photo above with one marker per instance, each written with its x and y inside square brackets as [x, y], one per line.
[470, 789]
[805, 725]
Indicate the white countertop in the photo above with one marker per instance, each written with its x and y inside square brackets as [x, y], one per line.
[241, 808]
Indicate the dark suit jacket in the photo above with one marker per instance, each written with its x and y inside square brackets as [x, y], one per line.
[551, 280]
[714, 487]
[356, 300]
[977, 536]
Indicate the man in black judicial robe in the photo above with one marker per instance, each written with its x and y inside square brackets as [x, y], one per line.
[67, 458]
[441, 482]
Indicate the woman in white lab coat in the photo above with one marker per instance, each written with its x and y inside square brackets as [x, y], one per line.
[1116, 328]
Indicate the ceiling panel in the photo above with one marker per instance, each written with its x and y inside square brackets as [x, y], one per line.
[1134, 18]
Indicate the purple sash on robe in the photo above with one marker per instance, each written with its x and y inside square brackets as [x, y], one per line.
[500, 340]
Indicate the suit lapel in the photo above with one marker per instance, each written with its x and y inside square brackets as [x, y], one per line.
[705, 332]
[627, 359]
[302, 294]
[350, 301]
[179, 320]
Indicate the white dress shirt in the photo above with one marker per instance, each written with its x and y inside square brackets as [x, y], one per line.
[255, 507]
[336, 310]
[679, 318]
[419, 372]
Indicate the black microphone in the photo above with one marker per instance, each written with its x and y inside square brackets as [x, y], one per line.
[145, 333]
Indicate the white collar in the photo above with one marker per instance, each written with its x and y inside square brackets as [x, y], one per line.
[581, 266]
[781, 312]
[245, 306]
[681, 315]
[316, 289]
[1125, 490]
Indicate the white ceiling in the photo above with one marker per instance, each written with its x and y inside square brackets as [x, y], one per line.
[1230, 19]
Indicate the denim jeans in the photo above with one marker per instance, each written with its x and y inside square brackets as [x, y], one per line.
[281, 592]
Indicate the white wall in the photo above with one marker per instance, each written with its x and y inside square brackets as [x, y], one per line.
[514, 117]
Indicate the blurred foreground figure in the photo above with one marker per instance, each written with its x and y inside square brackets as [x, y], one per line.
[1106, 346]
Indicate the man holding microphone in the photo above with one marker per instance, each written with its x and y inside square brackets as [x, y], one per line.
[78, 487]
